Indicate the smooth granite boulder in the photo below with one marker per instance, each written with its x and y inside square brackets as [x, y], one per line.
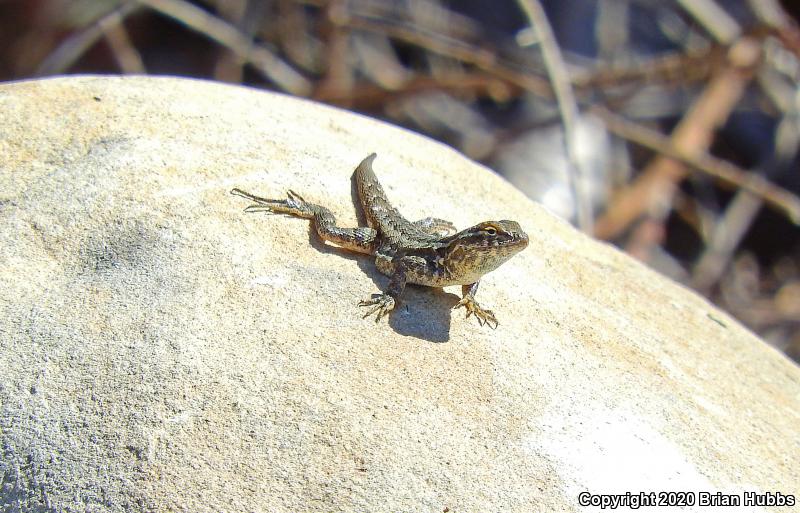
[161, 350]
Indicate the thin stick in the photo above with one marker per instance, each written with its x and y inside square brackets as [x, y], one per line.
[567, 106]
[443, 44]
[726, 172]
[654, 187]
[714, 18]
[724, 240]
[264, 60]
[125, 53]
[68, 52]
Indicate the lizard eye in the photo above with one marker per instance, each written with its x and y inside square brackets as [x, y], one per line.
[491, 231]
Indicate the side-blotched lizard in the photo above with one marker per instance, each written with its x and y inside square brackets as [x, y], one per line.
[427, 252]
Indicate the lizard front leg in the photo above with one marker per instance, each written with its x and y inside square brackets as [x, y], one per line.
[472, 306]
[384, 303]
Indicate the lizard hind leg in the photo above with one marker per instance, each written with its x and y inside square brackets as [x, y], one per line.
[360, 239]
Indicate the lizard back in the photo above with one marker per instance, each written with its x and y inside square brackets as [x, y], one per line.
[379, 212]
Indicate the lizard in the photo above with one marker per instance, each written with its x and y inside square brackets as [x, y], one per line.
[429, 252]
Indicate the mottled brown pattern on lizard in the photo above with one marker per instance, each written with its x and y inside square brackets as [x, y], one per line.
[426, 252]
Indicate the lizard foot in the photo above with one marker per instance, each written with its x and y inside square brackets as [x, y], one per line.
[472, 307]
[294, 204]
[383, 304]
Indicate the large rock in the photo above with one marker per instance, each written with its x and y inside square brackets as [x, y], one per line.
[161, 350]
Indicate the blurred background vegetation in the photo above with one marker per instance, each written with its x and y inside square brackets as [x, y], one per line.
[667, 127]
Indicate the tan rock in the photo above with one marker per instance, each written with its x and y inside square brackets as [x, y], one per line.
[163, 351]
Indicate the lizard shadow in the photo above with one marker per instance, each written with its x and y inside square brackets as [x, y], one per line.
[424, 312]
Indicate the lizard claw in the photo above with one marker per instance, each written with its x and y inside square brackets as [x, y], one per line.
[294, 204]
[294, 198]
[472, 307]
[383, 304]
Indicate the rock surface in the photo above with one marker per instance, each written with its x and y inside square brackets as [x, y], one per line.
[163, 351]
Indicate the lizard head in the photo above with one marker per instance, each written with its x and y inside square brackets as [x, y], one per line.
[485, 246]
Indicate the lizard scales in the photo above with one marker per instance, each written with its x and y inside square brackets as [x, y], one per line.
[429, 252]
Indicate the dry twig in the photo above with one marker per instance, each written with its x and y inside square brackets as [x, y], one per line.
[653, 188]
[73, 47]
[723, 170]
[567, 106]
[264, 60]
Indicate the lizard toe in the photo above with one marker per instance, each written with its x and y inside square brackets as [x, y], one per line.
[381, 305]
[473, 308]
